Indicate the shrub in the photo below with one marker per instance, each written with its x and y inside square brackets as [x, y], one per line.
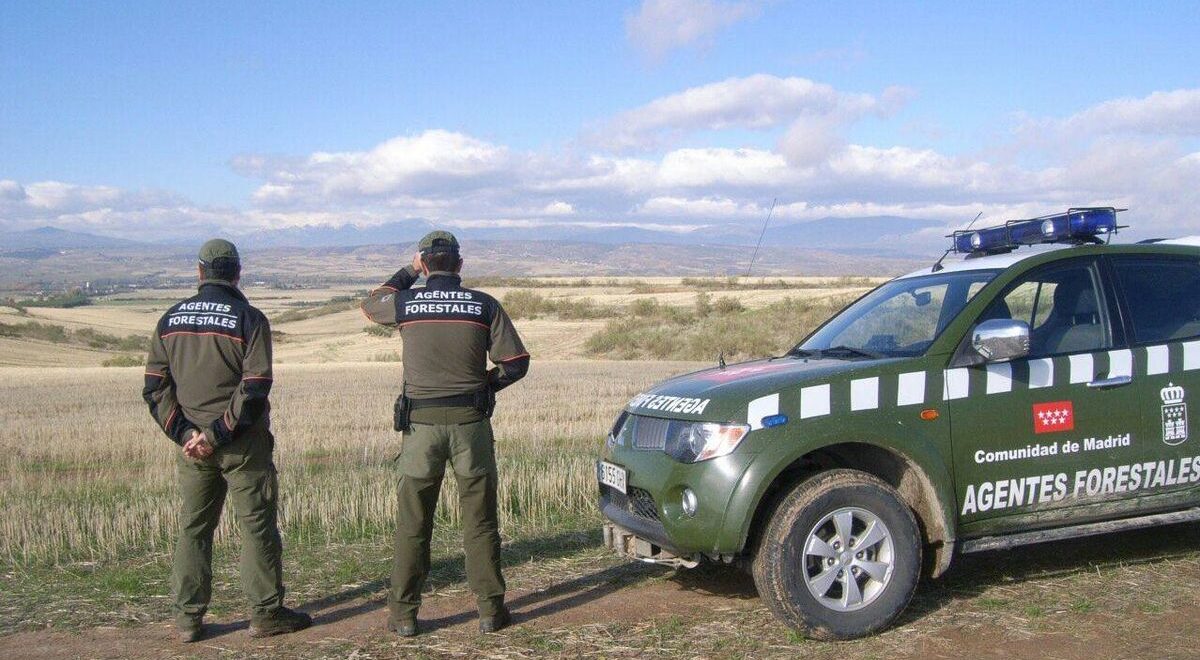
[124, 361]
[89, 337]
[15, 305]
[654, 331]
[75, 298]
[335, 305]
[35, 330]
[645, 307]
[134, 343]
[584, 308]
[379, 330]
[728, 305]
[523, 304]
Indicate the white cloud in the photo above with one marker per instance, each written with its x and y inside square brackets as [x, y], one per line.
[713, 208]
[1124, 152]
[723, 168]
[11, 191]
[916, 169]
[558, 208]
[94, 208]
[530, 223]
[1174, 113]
[812, 140]
[427, 162]
[756, 102]
[660, 26]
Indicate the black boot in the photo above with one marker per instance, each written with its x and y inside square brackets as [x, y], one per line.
[279, 622]
[498, 621]
[404, 627]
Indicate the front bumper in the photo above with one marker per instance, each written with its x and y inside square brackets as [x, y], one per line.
[650, 510]
[627, 543]
[636, 515]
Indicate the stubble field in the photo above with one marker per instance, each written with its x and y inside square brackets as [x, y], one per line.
[89, 502]
[88, 477]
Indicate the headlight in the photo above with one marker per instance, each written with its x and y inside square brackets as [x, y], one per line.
[692, 442]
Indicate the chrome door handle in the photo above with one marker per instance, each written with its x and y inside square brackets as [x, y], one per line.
[1111, 382]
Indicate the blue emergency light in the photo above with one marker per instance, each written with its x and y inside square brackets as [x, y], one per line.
[1077, 225]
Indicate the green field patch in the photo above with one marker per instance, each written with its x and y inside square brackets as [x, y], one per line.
[651, 330]
[88, 337]
[333, 306]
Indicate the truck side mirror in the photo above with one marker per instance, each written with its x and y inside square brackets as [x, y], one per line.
[1001, 340]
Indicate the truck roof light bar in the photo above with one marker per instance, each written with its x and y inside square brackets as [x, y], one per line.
[1077, 225]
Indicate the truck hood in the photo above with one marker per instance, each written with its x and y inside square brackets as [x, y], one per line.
[722, 393]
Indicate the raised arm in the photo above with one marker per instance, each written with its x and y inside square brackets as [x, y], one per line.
[380, 305]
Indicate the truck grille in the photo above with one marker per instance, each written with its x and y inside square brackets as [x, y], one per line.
[638, 502]
[649, 432]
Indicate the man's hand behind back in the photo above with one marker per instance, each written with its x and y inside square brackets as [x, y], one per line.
[197, 447]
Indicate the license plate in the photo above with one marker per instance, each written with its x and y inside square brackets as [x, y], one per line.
[611, 475]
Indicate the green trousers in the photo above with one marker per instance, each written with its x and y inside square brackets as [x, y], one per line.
[245, 471]
[469, 449]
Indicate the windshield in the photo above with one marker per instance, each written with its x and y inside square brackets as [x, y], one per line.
[899, 319]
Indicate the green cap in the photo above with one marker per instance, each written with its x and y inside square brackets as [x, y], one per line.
[438, 241]
[218, 248]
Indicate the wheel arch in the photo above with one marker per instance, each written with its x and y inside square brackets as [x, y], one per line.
[912, 481]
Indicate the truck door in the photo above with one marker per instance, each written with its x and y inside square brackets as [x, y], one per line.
[1161, 298]
[1026, 432]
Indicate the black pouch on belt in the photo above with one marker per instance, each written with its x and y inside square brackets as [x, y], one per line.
[485, 401]
[401, 414]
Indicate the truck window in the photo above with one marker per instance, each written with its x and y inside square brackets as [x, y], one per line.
[1162, 295]
[900, 318]
[1063, 307]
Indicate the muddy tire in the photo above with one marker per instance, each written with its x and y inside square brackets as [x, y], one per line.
[841, 556]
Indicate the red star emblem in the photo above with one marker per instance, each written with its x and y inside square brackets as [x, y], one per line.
[1053, 417]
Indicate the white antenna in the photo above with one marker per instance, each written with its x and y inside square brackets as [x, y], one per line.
[760, 236]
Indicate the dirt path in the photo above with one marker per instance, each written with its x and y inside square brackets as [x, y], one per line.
[602, 596]
[450, 625]
[634, 610]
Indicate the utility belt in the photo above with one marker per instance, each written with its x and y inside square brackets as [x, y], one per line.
[484, 401]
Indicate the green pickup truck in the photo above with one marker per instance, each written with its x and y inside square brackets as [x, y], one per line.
[1005, 396]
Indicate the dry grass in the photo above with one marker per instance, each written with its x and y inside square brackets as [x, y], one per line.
[89, 506]
[323, 325]
[86, 474]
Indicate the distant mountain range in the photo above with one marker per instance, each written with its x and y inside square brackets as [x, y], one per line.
[53, 238]
[889, 234]
[882, 236]
[51, 257]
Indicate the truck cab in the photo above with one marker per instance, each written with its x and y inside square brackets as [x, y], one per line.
[1032, 387]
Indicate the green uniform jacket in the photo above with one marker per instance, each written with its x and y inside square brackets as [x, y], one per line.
[449, 332]
[209, 366]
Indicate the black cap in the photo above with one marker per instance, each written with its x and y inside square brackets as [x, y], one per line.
[438, 241]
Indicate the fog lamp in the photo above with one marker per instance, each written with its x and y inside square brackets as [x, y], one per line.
[688, 502]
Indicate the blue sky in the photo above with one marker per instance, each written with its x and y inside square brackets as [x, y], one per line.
[147, 116]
